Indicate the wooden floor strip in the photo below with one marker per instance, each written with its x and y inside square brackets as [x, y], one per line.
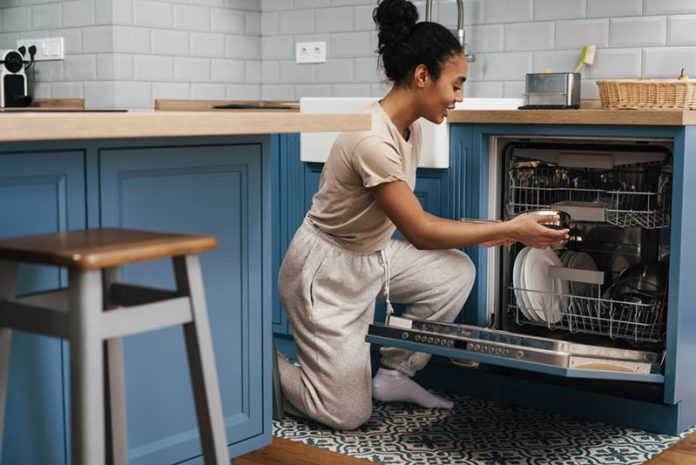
[681, 453]
[286, 452]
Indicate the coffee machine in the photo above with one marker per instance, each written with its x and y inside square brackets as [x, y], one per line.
[13, 77]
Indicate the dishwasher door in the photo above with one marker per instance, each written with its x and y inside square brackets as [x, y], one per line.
[513, 350]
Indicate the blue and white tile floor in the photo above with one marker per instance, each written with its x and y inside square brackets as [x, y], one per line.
[479, 432]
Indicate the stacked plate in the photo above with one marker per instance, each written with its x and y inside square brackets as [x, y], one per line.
[539, 297]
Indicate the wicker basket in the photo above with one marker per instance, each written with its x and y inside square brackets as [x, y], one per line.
[657, 94]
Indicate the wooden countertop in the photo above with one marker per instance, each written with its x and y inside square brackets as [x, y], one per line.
[85, 125]
[581, 116]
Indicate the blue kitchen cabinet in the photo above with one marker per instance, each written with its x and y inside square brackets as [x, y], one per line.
[218, 186]
[40, 193]
[438, 190]
[218, 192]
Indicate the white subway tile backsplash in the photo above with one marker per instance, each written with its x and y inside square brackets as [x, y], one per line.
[46, 16]
[171, 90]
[664, 62]
[269, 23]
[529, 36]
[228, 71]
[104, 12]
[253, 22]
[79, 13]
[277, 48]
[278, 92]
[99, 94]
[339, 70]
[133, 94]
[273, 5]
[589, 90]
[208, 91]
[270, 72]
[338, 19]
[507, 66]
[40, 89]
[239, 46]
[447, 13]
[153, 68]
[379, 90]
[616, 64]
[297, 21]
[366, 70]
[513, 89]
[210, 3]
[682, 30]
[350, 90]
[311, 3]
[230, 21]
[8, 40]
[80, 68]
[131, 39]
[653, 31]
[169, 42]
[362, 19]
[105, 66]
[72, 39]
[669, 7]
[614, 8]
[578, 33]
[252, 73]
[507, 11]
[67, 90]
[559, 9]
[123, 11]
[250, 5]
[486, 38]
[313, 90]
[97, 39]
[558, 61]
[350, 44]
[207, 45]
[48, 71]
[155, 14]
[192, 69]
[191, 18]
[243, 91]
[291, 72]
[349, 2]
[483, 89]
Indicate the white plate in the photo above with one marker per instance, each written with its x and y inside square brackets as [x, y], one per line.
[518, 284]
[545, 302]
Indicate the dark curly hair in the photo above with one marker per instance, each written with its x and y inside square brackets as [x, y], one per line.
[404, 43]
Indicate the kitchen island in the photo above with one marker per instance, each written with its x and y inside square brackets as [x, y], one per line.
[189, 172]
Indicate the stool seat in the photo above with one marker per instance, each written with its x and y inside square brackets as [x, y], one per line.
[91, 249]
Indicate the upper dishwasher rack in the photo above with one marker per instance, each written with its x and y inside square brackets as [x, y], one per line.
[626, 196]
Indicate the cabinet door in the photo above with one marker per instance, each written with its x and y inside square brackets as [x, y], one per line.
[40, 193]
[205, 189]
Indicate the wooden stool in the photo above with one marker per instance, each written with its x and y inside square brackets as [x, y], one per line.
[88, 315]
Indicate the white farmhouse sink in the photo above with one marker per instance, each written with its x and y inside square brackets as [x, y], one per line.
[314, 147]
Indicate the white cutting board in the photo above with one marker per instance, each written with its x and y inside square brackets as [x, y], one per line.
[315, 146]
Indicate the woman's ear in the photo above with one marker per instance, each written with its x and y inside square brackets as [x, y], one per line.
[421, 77]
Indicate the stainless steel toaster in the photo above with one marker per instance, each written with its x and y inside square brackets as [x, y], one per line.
[552, 90]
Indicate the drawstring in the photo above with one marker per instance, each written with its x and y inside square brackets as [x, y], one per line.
[385, 262]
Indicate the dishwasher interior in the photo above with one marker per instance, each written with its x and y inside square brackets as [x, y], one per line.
[607, 286]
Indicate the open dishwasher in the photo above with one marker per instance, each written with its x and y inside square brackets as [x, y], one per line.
[596, 306]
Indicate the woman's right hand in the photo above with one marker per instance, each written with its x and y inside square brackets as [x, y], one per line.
[529, 230]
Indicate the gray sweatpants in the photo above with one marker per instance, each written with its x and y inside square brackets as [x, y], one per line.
[329, 293]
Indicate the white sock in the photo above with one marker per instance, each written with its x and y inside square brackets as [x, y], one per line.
[394, 386]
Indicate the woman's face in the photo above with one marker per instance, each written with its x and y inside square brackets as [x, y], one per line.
[440, 96]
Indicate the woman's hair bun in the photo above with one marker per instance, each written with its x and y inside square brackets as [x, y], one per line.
[395, 20]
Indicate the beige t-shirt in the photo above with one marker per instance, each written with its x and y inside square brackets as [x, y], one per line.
[343, 207]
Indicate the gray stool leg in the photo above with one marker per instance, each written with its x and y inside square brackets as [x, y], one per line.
[8, 283]
[201, 360]
[115, 385]
[86, 367]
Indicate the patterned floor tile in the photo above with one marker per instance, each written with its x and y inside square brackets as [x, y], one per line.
[479, 432]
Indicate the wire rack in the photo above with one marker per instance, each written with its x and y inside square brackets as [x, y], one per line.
[614, 319]
[625, 203]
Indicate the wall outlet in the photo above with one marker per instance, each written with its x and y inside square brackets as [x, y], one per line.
[46, 49]
[310, 52]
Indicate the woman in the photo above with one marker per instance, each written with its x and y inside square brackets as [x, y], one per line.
[343, 257]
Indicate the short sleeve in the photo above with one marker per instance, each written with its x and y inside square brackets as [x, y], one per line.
[377, 161]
